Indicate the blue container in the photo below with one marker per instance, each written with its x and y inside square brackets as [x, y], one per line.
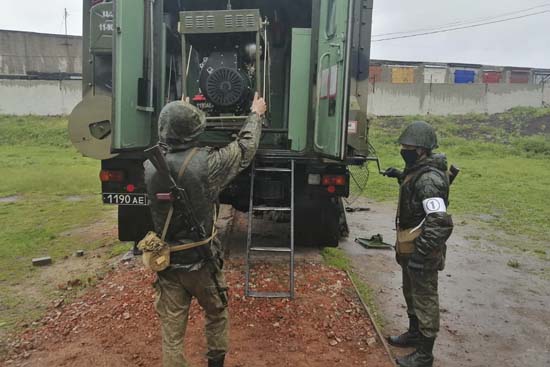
[465, 76]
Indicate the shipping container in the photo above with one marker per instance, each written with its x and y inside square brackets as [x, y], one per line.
[375, 74]
[435, 74]
[519, 76]
[465, 76]
[402, 75]
[492, 77]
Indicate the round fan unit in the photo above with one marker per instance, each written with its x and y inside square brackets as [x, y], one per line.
[226, 87]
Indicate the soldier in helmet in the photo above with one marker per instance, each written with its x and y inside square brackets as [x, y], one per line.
[423, 227]
[208, 171]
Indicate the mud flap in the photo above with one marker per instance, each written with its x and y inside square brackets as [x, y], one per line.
[134, 222]
[317, 221]
[344, 228]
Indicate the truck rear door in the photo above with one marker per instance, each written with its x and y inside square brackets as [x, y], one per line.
[132, 113]
[333, 81]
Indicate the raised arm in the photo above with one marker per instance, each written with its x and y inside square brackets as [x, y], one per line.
[224, 164]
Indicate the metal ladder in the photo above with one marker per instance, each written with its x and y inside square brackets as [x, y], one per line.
[250, 249]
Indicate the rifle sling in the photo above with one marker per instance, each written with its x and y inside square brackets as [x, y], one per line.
[188, 246]
[180, 175]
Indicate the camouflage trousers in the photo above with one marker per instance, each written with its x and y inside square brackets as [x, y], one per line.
[174, 291]
[422, 298]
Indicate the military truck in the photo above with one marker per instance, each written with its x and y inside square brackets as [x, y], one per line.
[306, 57]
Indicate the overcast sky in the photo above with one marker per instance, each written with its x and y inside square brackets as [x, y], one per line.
[520, 42]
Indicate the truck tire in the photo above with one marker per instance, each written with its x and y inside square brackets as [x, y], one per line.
[317, 222]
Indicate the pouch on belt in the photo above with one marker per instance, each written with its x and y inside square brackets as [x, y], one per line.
[404, 243]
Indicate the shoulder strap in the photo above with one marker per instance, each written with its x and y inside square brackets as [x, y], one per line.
[180, 175]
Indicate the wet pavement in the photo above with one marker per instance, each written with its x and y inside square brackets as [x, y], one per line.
[491, 314]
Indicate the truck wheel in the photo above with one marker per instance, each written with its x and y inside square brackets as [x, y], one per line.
[317, 222]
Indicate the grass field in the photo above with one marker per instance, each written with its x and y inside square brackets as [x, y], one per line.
[47, 190]
[505, 163]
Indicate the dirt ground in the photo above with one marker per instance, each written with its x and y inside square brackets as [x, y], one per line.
[114, 323]
[491, 314]
[63, 276]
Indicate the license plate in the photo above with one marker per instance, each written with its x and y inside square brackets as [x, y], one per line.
[125, 199]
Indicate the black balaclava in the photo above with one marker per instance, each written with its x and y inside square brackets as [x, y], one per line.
[410, 156]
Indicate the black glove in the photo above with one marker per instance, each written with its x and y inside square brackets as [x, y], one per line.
[392, 172]
[416, 262]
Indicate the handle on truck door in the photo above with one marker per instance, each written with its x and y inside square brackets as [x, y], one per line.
[318, 104]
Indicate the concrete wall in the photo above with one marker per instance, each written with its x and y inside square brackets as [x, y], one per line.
[39, 97]
[51, 97]
[386, 99]
[23, 53]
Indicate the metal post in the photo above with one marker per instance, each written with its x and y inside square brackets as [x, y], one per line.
[292, 230]
[249, 234]
[183, 66]
[258, 62]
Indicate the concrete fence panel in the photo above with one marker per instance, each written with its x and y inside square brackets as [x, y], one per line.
[393, 99]
[501, 97]
[444, 99]
[387, 99]
[39, 97]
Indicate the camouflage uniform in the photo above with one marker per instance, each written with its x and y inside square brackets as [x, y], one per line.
[427, 179]
[423, 226]
[208, 173]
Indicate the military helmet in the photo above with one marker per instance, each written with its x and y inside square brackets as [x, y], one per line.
[180, 123]
[419, 134]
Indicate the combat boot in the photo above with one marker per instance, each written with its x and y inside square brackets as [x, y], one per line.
[408, 339]
[216, 362]
[421, 357]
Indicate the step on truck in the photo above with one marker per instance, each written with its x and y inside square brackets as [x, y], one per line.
[307, 58]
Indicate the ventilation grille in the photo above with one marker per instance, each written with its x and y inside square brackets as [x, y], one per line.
[220, 21]
[239, 21]
[199, 21]
[228, 21]
[210, 21]
[250, 20]
[189, 22]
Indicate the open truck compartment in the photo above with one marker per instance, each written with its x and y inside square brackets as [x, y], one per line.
[306, 57]
[297, 54]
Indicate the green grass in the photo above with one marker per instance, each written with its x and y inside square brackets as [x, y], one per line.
[34, 131]
[57, 191]
[42, 169]
[505, 175]
[336, 258]
[120, 248]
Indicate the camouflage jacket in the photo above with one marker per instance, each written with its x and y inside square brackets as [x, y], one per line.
[208, 173]
[427, 179]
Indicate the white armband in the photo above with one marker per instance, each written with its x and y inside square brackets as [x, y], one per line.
[434, 205]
